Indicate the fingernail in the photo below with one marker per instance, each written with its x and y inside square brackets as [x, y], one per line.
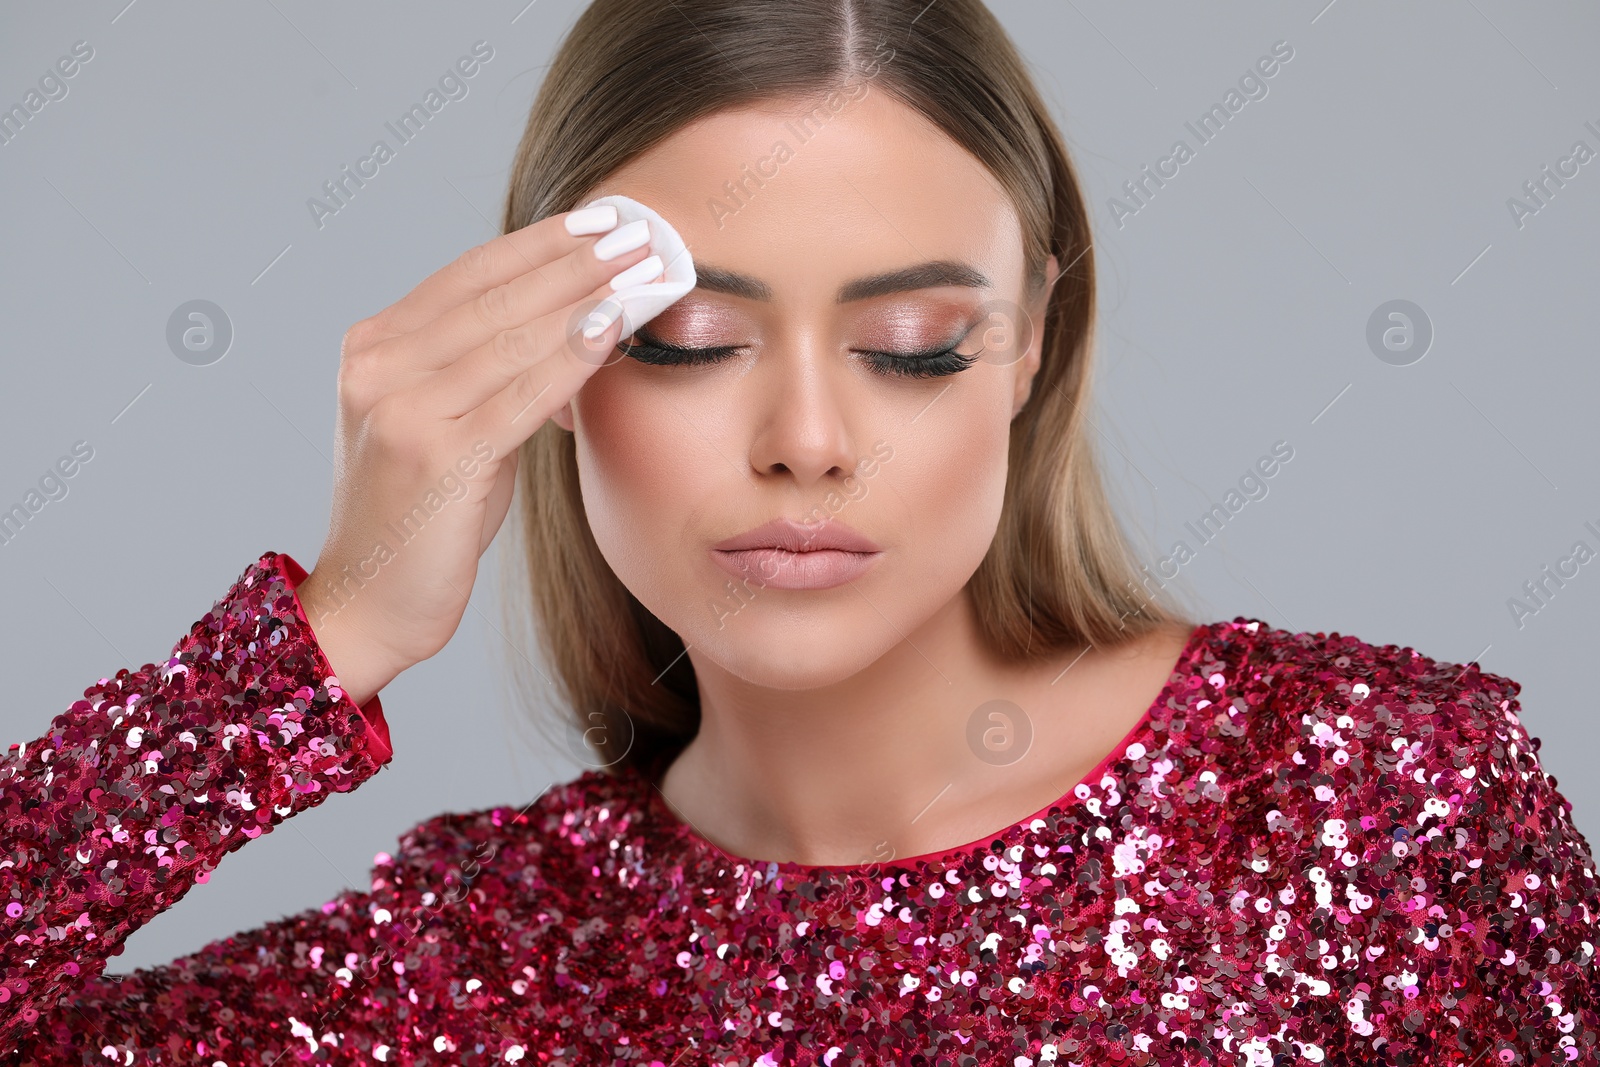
[589, 220]
[600, 319]
[623, 239]
[638, 274]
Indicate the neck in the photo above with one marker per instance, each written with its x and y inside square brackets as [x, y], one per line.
[874, 767]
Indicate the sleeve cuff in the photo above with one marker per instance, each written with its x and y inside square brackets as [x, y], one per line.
[372, 710]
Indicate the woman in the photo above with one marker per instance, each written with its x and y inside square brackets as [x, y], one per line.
[901, 759]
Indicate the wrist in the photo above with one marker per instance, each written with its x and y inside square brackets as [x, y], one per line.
[362, 666]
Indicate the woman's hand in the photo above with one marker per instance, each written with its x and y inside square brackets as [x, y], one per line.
[436, 393]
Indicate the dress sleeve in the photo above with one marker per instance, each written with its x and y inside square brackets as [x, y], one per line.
[1511, 893]
[138, 790]
[325, 985]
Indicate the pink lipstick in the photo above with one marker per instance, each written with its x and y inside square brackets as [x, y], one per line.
[786, 554]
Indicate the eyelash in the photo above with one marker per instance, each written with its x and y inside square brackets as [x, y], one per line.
[935, 363]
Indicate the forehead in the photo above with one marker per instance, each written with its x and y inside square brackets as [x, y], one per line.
[807, 198]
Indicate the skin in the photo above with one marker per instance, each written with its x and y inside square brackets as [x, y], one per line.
[834, 722]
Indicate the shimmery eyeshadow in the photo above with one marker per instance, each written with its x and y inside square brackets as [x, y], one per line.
[912, 327]
[699, 324]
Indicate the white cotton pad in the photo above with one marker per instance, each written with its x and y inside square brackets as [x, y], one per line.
[641, 303]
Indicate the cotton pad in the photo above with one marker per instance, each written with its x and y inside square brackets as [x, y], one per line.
[641, 303]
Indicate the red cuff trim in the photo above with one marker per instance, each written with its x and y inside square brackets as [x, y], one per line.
[372, 711]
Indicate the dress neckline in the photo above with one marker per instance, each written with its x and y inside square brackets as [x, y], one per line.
[656, 803]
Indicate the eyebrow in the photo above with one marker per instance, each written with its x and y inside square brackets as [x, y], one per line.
[906, 279]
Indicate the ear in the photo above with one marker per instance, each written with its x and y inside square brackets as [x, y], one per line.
[1033, 330]
[563, 418]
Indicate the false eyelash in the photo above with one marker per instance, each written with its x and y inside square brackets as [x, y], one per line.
[660, 354]
[930, 364]
[935, 364]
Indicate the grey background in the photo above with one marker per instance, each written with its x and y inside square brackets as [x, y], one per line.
[1234, 315]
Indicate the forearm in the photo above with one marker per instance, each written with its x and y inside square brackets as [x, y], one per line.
[138, 790]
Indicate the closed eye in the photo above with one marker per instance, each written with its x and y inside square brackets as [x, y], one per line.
[929, 363]
[935, 363]
[658, 353]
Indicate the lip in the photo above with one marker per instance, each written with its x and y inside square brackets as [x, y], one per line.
[786, 554]
[800, 537]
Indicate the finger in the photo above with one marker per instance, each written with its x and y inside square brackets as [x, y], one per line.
[510, 416]
[481, 268]
[511, 306]
[475, 377]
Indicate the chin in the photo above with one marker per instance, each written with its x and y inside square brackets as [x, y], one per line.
[795, 649]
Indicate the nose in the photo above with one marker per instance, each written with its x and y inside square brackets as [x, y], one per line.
[803, 411]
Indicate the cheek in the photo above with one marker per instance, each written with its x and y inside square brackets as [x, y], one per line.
[630, 468]
[651, 482]
[950, 472]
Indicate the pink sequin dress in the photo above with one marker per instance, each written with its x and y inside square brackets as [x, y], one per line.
[1309, 850]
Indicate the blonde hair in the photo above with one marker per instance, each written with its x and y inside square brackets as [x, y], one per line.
[630, 73]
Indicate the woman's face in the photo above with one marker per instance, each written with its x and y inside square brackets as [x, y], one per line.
[793, 416]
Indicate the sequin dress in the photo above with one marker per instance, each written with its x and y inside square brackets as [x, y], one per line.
[1309, 850]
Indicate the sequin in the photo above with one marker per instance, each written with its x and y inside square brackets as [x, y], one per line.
[1312, 850]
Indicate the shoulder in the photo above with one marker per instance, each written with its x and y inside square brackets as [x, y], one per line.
[1311, 683]
[1384, 725]
[1310, 663]
[1399, 820]
[1326, 740]
[529, 844]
